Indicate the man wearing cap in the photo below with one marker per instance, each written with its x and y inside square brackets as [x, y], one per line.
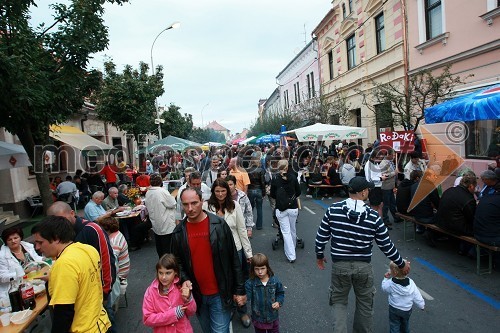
[352, 226]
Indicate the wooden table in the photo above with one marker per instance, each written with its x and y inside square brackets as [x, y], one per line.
[41, 305]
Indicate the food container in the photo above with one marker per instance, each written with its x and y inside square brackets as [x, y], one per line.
[21, 317]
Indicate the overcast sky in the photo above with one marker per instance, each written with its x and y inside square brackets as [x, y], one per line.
[227, 53]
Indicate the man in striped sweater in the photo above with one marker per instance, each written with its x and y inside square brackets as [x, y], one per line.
[352, 226]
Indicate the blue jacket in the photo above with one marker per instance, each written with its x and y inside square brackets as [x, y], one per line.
[262, 298]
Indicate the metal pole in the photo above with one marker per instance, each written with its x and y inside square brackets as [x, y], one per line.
[153, 73]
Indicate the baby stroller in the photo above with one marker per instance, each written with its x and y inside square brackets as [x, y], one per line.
[279, 237]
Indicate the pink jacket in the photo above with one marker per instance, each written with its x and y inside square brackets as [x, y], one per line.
[158, 311]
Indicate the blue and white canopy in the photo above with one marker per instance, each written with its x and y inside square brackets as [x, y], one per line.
[479, 105]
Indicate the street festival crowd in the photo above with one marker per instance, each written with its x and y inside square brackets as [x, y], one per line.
[203, 231]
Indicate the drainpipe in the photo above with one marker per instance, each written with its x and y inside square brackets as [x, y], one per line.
[405, 55]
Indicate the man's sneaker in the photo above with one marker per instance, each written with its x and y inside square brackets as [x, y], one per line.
[308, 196]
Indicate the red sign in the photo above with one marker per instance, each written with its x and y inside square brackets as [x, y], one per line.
[400, 141]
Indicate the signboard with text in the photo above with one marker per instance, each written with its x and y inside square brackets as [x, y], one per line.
[400, 141]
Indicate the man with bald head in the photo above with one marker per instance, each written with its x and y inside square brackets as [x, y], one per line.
[92, 234]
[94, 211]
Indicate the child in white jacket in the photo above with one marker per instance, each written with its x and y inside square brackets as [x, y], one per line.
[403, 292]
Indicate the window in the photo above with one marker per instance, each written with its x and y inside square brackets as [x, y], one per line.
[433, 18]
[483, 139]
[312, 85]
[380, 32]
[287, 101]
[330, 64]
[351, 6]
[308, 86]
[357, 114]
[383, 116]
[344, 13]
[296, 90]
[351, 52]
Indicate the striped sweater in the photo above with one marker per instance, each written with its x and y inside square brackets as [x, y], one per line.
[351, 225]
[120, 248]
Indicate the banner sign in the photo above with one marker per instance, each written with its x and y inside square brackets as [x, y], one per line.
[400, 141]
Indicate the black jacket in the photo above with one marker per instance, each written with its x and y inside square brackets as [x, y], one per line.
[291, 186]
[403, 196]
[456, 210]
[487, 218]
[226, 263]
[425, 208]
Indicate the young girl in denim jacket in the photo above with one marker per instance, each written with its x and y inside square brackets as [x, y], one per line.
[266, 293]
[166, 305]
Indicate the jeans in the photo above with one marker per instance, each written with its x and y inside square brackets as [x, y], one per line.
[359, 276]
[389, 204]
[212, 315]
[399, 320]
[287, 220]
[255, 196]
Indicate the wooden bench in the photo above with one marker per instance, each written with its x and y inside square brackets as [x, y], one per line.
[412, 223]
[316, 188]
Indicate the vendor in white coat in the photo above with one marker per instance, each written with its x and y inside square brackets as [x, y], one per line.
[14, 254]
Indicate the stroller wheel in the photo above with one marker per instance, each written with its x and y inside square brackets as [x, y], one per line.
[274, 245]
[300, 243]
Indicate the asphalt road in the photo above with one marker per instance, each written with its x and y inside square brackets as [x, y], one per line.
[457, 300]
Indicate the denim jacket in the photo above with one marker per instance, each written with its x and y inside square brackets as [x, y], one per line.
[262, 298]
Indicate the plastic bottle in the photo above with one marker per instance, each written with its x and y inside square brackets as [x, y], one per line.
[15, 296]
[27, 294]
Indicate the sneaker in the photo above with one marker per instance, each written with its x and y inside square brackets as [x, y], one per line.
[274, 225]
[308, 196]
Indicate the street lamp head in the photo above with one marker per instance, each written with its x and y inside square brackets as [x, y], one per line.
[174, 25]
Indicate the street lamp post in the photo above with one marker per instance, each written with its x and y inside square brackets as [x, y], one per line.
[203, 108]
[158, 120]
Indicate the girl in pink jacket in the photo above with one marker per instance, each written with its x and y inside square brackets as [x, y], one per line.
[166, 305]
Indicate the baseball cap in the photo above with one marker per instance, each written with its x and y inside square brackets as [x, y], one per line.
[358, 184]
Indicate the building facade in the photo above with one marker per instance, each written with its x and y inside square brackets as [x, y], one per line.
[466, 35]
[299, 80]
[361, 43]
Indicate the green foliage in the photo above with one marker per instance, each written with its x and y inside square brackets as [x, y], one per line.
[425, 88]
[43, 70]
[271, 123]
[127, 100]
[202, 135]
[175, 123]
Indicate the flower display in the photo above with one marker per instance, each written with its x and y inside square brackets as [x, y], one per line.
[133, 192]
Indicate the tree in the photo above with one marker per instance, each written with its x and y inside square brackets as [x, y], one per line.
[271, 123]
[425, 89]
[334, 110]
[125, 98]
[175, 123]
[202, 135]
[43, 70]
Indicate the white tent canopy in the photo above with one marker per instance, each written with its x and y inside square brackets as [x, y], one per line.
[326, 132]
[244, 142]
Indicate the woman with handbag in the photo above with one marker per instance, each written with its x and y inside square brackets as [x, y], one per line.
[286, 189]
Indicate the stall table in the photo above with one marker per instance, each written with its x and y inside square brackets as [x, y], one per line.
[41, 306]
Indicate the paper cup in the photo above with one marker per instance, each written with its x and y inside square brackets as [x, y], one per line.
[5, 318]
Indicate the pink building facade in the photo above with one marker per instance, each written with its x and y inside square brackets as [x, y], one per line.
[466, 35]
